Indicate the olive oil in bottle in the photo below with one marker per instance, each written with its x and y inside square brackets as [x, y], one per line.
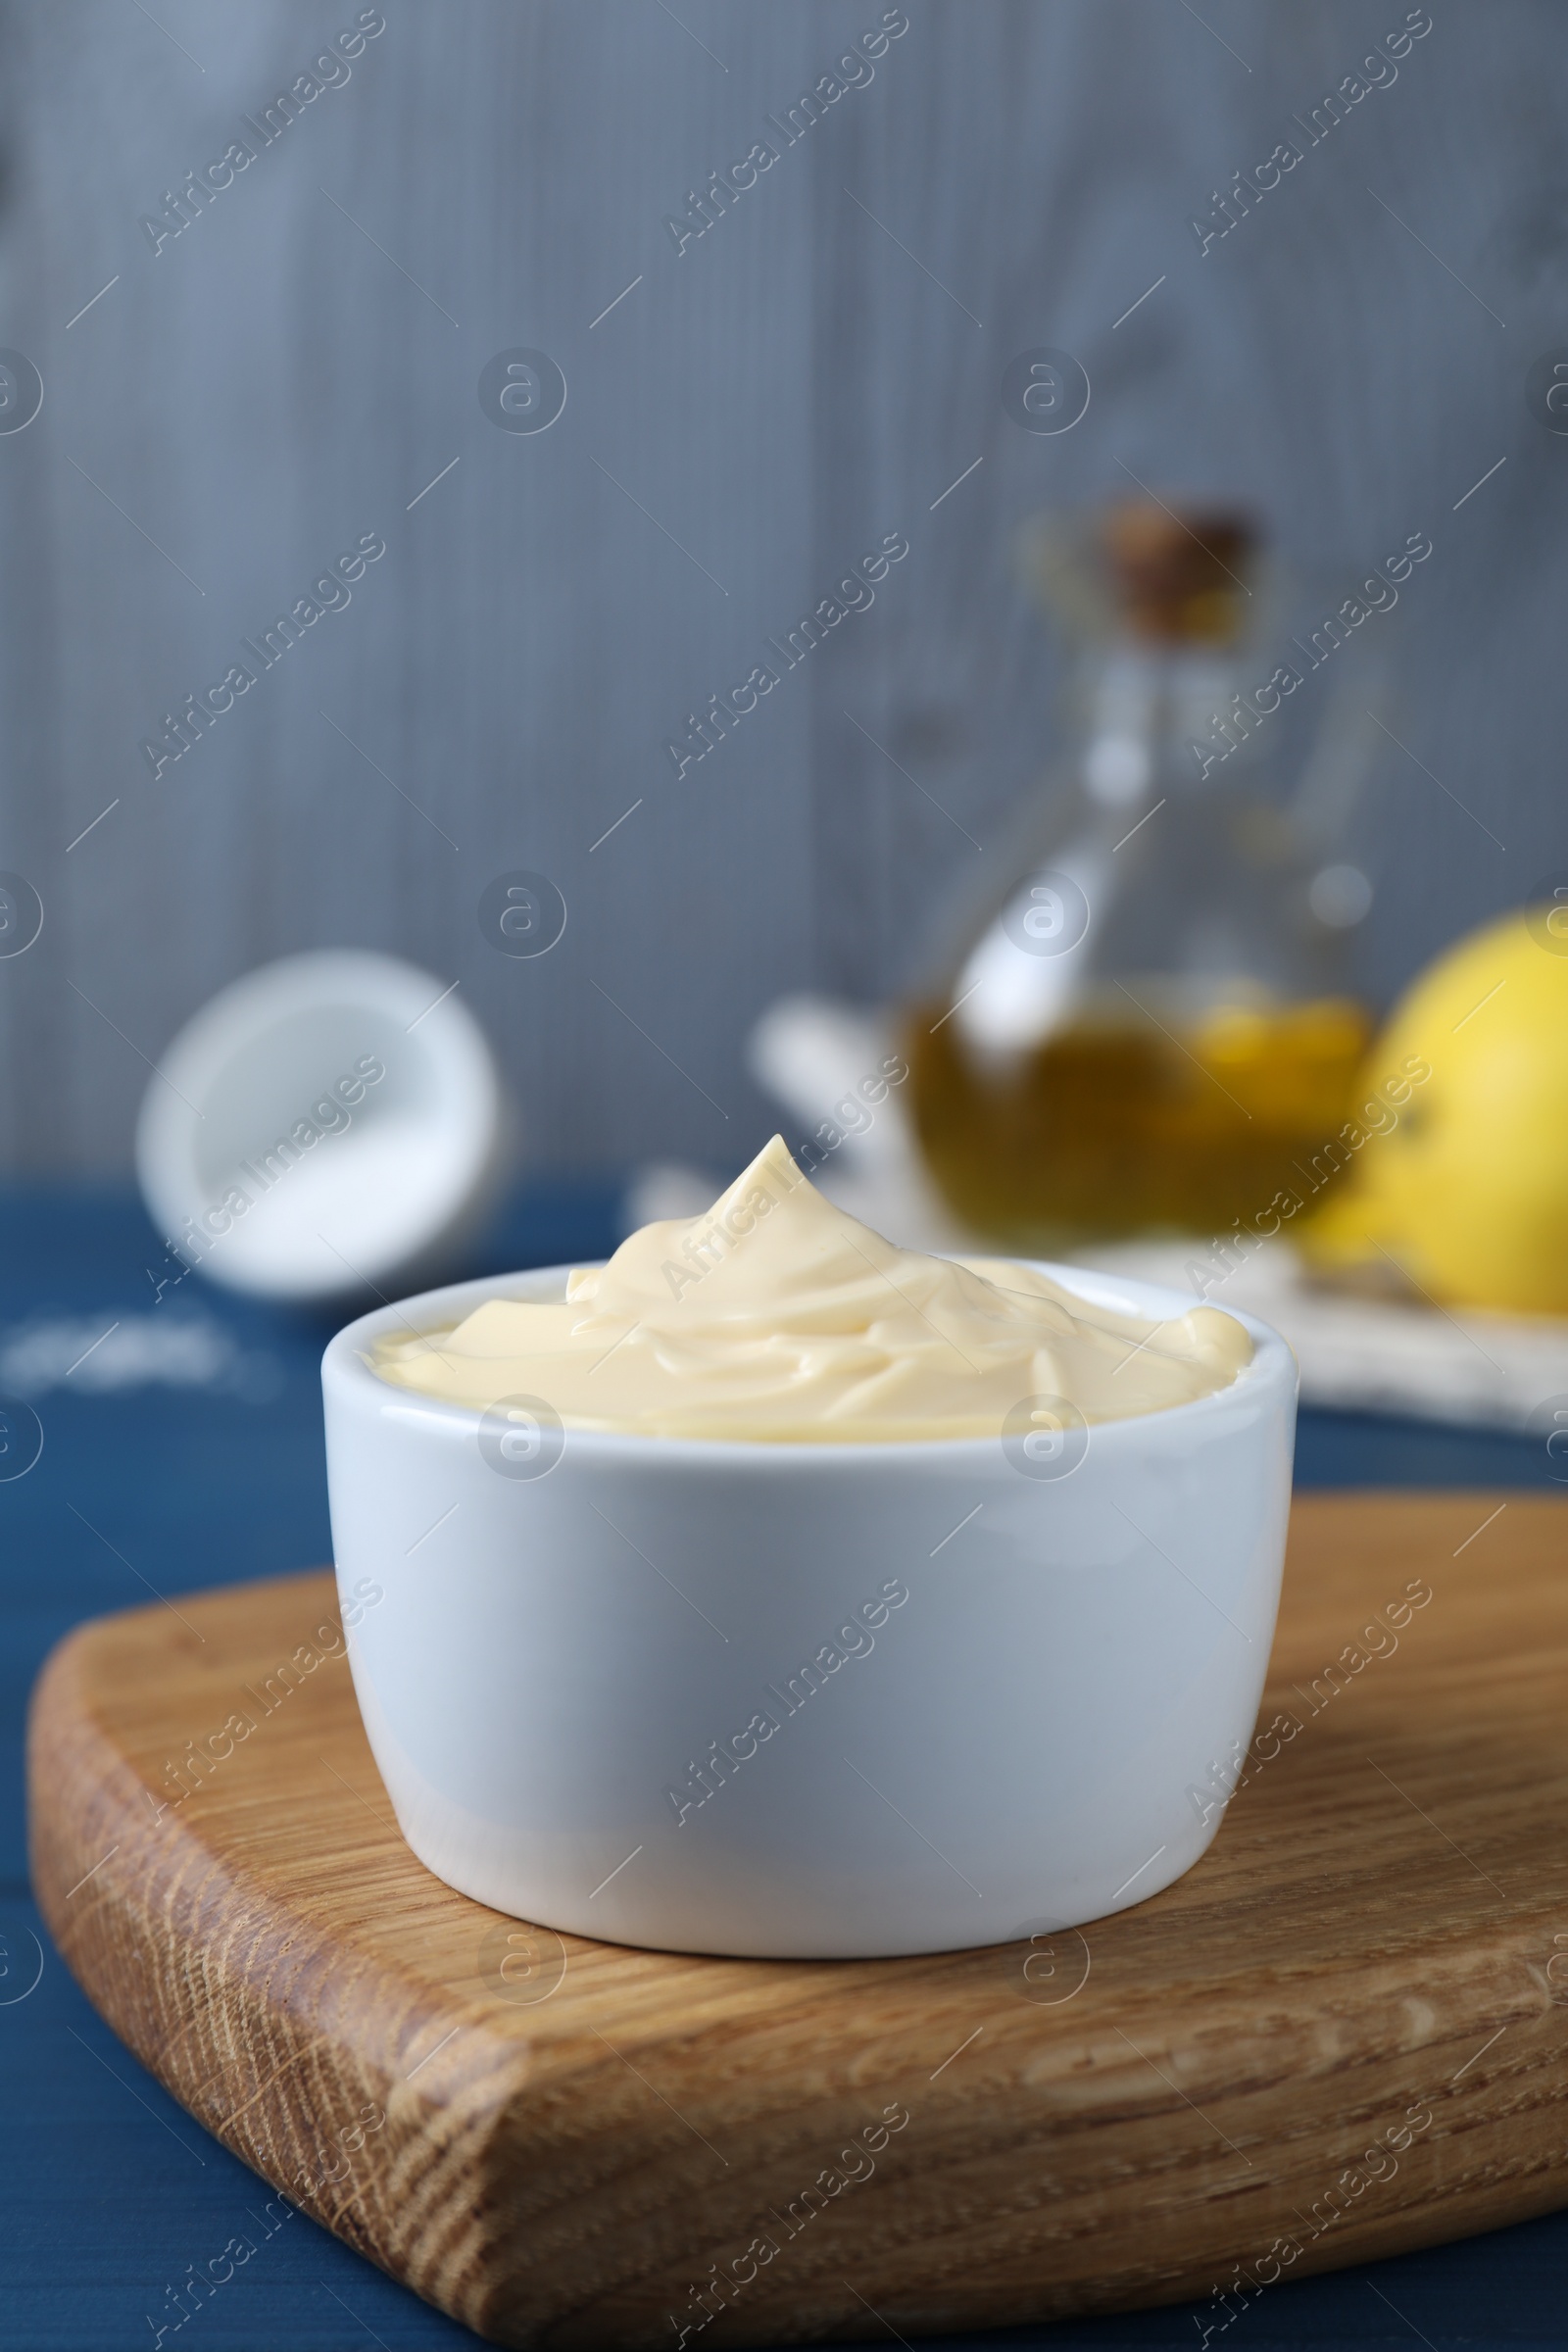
[1145, 1030]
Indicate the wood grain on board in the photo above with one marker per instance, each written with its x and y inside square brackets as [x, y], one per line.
[1343, 2034]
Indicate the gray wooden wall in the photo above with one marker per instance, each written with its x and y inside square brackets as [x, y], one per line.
[293, 368]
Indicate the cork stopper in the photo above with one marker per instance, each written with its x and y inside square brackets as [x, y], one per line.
[1179, 578]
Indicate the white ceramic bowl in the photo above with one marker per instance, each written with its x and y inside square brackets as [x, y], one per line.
[1038, 1660]
[327, 1124]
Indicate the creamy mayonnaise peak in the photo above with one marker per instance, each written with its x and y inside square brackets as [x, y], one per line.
[778, 1317]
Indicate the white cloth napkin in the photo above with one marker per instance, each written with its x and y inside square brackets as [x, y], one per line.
[1384, 1357]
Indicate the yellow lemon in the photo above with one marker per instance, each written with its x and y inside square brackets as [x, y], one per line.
[1465, 1189]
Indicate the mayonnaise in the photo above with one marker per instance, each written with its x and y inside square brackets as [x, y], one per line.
[778, 1317]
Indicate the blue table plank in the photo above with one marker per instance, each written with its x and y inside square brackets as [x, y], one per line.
[110, 2196]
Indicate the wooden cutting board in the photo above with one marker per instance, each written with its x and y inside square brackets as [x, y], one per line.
[1345, 2034]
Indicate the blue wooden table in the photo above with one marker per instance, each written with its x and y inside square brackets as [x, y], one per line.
[176, 1465]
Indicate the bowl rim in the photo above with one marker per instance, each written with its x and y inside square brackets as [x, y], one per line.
[347, 1374]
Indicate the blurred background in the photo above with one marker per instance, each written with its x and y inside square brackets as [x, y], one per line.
[239, 384]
